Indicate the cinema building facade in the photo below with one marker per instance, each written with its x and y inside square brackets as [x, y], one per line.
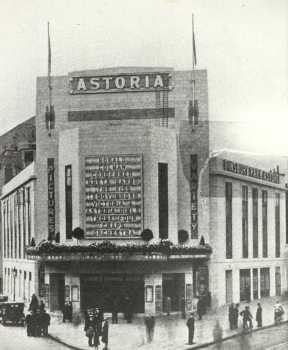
[127, 153]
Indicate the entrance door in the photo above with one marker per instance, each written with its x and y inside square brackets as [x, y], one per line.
[173, 285]
[105, 291]
[229, 287]
[255, 284]
[245, 285]
[57, 291]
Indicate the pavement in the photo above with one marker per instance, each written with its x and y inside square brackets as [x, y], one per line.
[170, 331]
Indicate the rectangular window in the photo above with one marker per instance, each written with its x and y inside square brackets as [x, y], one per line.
[245, 221]
[255, 222]
[277, 281]
[277, 225]
[163, 199]
[68, 200]
[28, 215]
[255, 284]
[245, 285]
[265, 282]
[4, 228]
[228, 200]
[265, 223]
[229, 286]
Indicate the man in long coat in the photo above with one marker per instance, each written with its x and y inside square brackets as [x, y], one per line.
[191, 327]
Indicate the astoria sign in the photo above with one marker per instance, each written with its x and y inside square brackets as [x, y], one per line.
[119, 83]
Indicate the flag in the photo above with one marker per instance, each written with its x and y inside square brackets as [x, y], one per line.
[194, 58]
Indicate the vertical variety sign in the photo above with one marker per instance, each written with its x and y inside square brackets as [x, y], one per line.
[51, 197]
[194, 195]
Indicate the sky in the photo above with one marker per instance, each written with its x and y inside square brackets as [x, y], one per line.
[242, 44]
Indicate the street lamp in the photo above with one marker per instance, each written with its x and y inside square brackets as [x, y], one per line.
[14, 271]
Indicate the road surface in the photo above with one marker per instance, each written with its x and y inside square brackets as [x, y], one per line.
[14, 338]
[275, 338]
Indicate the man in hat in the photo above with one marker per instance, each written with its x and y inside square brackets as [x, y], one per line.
[191, 326]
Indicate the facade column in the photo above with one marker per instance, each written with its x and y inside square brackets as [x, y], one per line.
[72, 291]
[259, 284]
[272, 281]
[153, 293]
[236, 284]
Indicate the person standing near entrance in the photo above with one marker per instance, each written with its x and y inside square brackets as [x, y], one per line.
[183, 307]
[231, 316]
[115, 309]
[89, 328]
[259, 315]
[191, 327]
[168, 305]
[150, 326]
[105, 329]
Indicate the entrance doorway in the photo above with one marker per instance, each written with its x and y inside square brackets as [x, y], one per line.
[110, 291]
[245, 285]
[173, 286]
[57, 291]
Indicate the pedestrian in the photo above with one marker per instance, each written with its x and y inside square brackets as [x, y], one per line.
[231, 316]
[67, 311]
[183, 307]
[200, 308]
[34, 303]
[98, 326]
[235, 316]
[247, 318]
[217, 334]
[41, 306]
[33, 323]
[37, 323]
[105, 329]
[150, 326]
[89, 328]
[278, 311]
[45, 322]
[128, 309]
[28, 324]
[168, 305]
[115, 309]
[259, 315]
[191, 327]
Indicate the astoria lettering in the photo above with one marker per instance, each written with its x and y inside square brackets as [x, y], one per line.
[144, 82]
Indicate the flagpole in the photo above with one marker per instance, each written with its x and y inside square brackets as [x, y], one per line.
[49, 70]
[193, 73]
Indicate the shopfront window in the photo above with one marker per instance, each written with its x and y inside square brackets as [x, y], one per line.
[228, 199]
[265, 282]
[264, 224]
[245, 221]
[277, 225]
[255, 222]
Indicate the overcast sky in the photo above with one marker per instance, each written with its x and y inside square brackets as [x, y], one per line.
[242, 44]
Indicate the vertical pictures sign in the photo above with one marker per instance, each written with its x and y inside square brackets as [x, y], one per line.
[51, 198]
[194, 195]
